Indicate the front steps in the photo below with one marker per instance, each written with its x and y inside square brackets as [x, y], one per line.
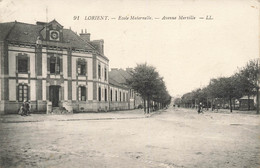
[60, 110]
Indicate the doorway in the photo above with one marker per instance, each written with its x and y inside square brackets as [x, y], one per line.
[54, 97]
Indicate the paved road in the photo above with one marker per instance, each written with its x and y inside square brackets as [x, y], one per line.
[173, 138]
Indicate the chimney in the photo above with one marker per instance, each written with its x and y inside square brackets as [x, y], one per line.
[85, 36]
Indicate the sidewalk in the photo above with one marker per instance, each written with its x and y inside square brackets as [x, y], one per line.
[129, 114]
[221, 111]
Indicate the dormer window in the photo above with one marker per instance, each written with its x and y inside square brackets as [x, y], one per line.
[52, 31]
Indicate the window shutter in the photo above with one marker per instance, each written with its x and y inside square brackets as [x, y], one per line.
[57, 63]
[48, 64]
[86, 63]
[17, 92]
[28, 93]
[16, 61]
[77, 93]
[28, 62]
[77, 67]
[61, 65]
[86, 96]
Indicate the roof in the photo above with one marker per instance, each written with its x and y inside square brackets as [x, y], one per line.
[115, 83]
[23, 32]
[28, 33]
[119, 77]
[5, 28]
[75, 41]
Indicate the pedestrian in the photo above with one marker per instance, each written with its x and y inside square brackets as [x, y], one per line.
[22, 110]
[213, 107]
[28, 104]
[200, 108]
[26, 107]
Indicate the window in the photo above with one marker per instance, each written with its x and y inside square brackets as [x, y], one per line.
[105, 73]
[81, 67]
[120, 97]
[105, 94]
[22, 93]
[55, 65]
[22, 64]
[111, 95]
[99, 94]
[82, 93]
[123, 96]
[99, 71]
[116, 95]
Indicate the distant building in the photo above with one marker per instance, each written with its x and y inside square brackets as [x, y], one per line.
[245, 102]
[53, 67]
[118, 78]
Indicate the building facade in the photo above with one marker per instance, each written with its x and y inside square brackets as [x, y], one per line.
[118, 78]
[55, 68]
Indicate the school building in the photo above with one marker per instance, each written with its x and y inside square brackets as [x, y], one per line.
[56, 69]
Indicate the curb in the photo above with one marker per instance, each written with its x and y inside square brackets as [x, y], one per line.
[77, 119]
[86, 119]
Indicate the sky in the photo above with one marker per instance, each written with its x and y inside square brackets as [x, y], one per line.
[186, 53]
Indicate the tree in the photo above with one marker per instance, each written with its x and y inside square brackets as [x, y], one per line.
[248, 80]
[147, 82]
[244, 82]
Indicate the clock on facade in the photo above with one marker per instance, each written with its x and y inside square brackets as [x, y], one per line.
[54, 35]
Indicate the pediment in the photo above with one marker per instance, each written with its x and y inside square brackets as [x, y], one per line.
[54, 25]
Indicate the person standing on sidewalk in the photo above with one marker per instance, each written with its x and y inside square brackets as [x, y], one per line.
[28, 107]
[200, 108]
